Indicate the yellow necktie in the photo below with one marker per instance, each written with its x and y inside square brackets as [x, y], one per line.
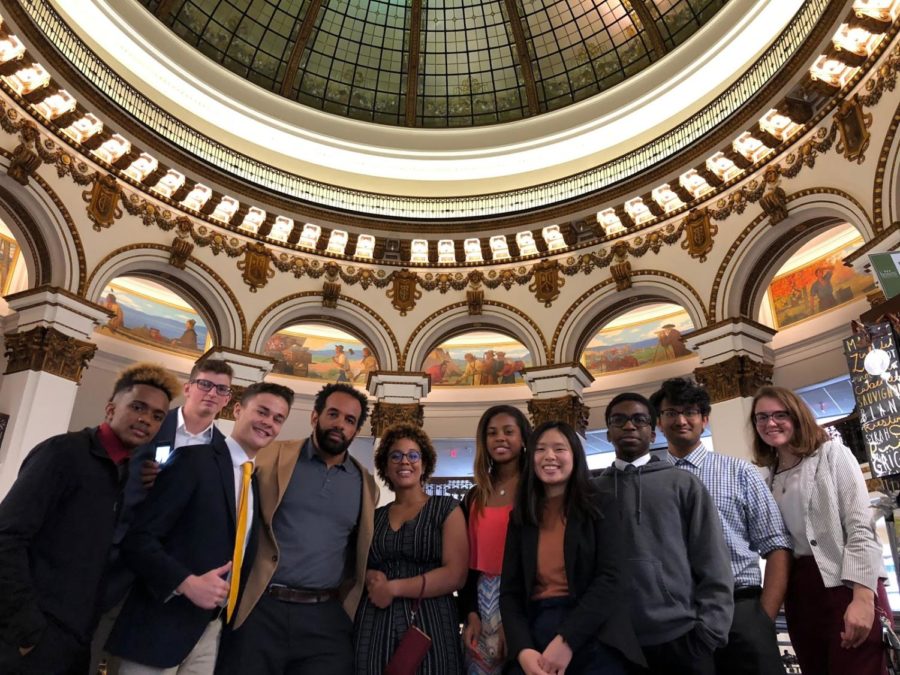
[237, 557]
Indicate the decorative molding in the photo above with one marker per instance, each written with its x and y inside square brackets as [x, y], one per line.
[331, 291]
[403, 292]
[547, 282]
[737, 377]
[699, 233]
[24, 163]
[255, 266]
[103, 201]
[385, 415]
[569, 409]
[475, 300]
[878, 188]
[621, 269]
[181, 251]
[854, 126]
[48, 350]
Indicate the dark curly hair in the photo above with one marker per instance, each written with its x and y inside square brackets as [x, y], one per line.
[395, 433]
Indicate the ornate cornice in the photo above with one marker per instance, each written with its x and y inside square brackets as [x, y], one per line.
[737, 377]
[385, 415]
[48, 350]
[568, 409]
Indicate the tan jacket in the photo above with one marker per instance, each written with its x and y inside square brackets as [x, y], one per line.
[274, 467]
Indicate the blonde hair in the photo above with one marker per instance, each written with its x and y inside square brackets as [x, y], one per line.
[150, 374]
[808, 435]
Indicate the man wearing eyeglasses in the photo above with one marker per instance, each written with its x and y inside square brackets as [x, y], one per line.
[317, 505]
[752, 524]
[681, 591]
[206, 392]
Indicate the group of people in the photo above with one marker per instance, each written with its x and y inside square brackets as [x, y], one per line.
[155, 544]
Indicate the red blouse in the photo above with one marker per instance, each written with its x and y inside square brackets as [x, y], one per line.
[487, 537]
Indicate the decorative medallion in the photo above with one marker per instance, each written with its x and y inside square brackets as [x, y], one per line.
[699, 231]
[547, 282]
[385, 415]
[103, 201]
[23, 164]
[48, 350]
[854, 125]
[181, 251]
[255, 266]
[403, 292]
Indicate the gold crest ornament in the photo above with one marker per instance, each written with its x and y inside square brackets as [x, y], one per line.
[255, 266]
[403, 292]
[547, 282]
[103, 201]
[699, 231]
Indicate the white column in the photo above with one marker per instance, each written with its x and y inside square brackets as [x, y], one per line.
[735, 360]
[47, 341]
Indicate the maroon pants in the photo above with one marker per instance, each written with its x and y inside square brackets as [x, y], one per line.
[815, 619]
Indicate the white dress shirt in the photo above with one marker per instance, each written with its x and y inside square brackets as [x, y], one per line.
[640, 461]
[184, 437]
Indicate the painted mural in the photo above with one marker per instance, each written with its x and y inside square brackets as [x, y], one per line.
[9, 256]
[152, 314]
[820, 285]
[322, 353]
[643, 337]
[477, 359]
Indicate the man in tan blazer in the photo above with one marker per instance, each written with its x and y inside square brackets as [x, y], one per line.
[317, 505]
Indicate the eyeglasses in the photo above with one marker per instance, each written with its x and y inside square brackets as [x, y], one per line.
[687, 413]
[780, 417]
[638, 419]
[412, 456]
[206, 385]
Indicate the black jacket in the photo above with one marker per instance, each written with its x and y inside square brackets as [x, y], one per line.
[56, 528]
[185, 526]
[596, 578]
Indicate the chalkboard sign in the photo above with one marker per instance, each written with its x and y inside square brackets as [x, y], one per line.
[877, 393]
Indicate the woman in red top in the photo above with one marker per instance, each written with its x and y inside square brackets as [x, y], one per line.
[499, 458]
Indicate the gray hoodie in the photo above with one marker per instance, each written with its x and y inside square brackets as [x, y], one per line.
[679, 562]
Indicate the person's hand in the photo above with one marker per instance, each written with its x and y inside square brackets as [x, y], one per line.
[209, 590]
[530, 661]
[556, 656]
[858, 619]
[371, 575]
[149, 471]
[472, 631]
[381, 591]
[24, 651]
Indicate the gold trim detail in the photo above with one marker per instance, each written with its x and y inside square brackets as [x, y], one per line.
[255, 266]
[736, 377]
[547, 282]
[403, 292]
[854, 126]
[103, 201]
[48, 350]
[699, 233]
[24, 163]
[385, 415]
[569, 409]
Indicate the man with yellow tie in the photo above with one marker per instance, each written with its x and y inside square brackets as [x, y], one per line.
[188, 543]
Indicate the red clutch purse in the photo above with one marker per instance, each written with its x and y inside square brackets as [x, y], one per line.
[413, 647]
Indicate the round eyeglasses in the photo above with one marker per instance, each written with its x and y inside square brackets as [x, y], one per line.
[412, 456]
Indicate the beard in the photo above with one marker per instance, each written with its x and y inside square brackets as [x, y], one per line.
[330, 445]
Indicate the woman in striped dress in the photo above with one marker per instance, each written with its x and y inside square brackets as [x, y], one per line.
[417, 539]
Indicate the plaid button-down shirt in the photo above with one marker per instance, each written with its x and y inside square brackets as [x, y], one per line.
[750, 517]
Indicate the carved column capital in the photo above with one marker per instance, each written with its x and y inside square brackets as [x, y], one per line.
[736, 377]
[569, 409]
[386, 414]
[48, 350]
[227, 413]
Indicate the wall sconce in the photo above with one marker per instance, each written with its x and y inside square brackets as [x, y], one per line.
[723, 168]
[337, 242]
[26, 80]
[170, 183]
[831, 71]
[666, 198]
[857, 40]
[281, 228]
[254, 218]
[499, 247]
[694, 183]
[84, 128]
[309, 237]
[880, 10]
[752, 149]
[365, 246]
[11, 48]
[56, 104]
[525, 242]
[418, 251]
[197, 197]
[472, 247]
[638, 211]
[780, 126]
[553, 238]
[142, 167]
[609, 221]
[225, 209]
[113, 148]
[446, 251]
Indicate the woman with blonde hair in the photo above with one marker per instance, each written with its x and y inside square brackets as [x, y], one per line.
[499, 457]
[835, 592]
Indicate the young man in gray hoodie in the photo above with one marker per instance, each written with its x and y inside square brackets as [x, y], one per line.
[681, 581]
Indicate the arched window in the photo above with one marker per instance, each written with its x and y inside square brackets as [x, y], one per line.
[321, 352]
[13, 273]
[477, 358]
[645, 336]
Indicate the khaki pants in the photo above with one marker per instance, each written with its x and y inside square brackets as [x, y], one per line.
[201, 660]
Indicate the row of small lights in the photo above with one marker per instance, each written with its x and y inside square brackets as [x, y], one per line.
[830, 70]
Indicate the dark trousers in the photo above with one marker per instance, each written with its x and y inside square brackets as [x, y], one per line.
[545, 617]
[815, 619]
[56, 653]
[282, 638]
[752, 647]
[686, 655]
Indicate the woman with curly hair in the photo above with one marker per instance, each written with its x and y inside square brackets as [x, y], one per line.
[419, 548]
[499, 457]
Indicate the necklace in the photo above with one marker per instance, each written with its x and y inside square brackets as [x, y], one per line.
[782, 476]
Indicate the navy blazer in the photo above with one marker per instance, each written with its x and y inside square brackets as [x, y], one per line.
[596, 577]
[185, 526]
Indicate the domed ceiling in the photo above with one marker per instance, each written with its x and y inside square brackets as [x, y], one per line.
[435, 63]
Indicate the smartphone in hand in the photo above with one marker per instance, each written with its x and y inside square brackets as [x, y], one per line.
[162, 453]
